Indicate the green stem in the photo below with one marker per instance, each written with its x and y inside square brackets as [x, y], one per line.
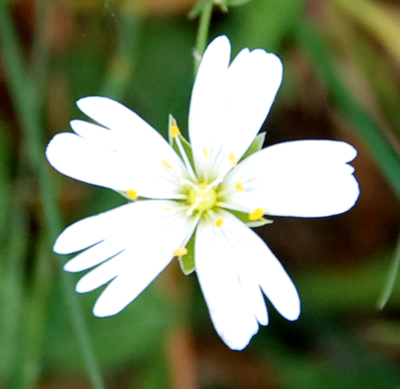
[202, 32]
[391, 279]
[26, 109]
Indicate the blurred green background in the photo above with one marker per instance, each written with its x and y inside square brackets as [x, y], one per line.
[341, 81]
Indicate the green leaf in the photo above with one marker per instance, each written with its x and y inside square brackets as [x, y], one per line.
[255, 146]
[186, 261]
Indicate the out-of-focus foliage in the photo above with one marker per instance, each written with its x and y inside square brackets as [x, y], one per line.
[341, 81]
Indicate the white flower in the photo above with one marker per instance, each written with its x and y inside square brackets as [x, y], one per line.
[132, 244]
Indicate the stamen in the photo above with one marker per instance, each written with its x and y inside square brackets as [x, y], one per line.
[132, 194]
[256, 214]
[166, 209]
[233, 160]
[166, 164]
[206, 154]
[179, 252]
[239, 186]
[189, 212]
[175, 131]
[184, 182]
[219, 222]
[215, 183]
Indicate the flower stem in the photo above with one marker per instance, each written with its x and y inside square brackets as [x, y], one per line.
[202, 33]
[27, 109]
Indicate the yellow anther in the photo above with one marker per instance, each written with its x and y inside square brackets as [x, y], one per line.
[219, 222]
[256, 214]
[132, 194]
[206, 154]
[233, 160]
[179, 252]
[166, 209]
[239, 186]
[175, 131]
[166, 165]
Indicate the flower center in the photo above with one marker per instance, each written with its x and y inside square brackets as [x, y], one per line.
[203, 200]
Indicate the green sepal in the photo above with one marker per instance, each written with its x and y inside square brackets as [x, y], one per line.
[122, 193]
[188, 149]
[171, 122]
[255, 146]
[186, 145]
[244, 217]
[259, 223]
[186, 261]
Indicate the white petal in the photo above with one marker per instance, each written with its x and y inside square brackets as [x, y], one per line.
[208, 96]
[147, 258]
[118, 118]
[132, 280]
[103, 273]
[309, 178]
[128, 154]
[253, 294]
[91, 230]
[229, 105]
[83, 160]
[96, 134]
[93, 256]
[140, 237]
[230, 312]
[257, 265]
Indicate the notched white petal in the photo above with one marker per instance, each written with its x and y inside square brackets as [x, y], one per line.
[102, 274]
[257, 265]
[126, 235]
[308, 178]
[229, 106]
[228, 305]
[232, 264]
[96, 134]
[93, 256]
[91, 230]
[87, 161]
